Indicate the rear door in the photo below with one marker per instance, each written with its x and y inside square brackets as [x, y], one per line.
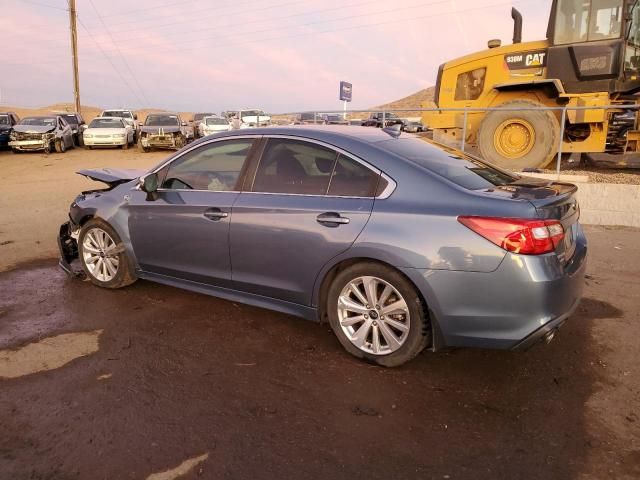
[306, 204]
[184, 233]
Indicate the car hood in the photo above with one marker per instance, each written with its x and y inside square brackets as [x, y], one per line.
[152, 129]
[112, 176]
[33, 129]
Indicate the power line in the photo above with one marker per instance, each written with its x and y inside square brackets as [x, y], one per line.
[354, 27]
[32, 2]
[155, 6]
[262, 20]
[317, 22]
[109, 60]
[124, 60]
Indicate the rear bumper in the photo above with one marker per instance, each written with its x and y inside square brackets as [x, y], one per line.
[509, 308]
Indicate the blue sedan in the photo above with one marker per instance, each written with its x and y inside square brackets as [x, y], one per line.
[398, 243]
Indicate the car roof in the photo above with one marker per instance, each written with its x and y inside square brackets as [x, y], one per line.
[321, 132]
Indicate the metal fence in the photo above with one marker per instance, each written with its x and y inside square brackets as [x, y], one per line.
[319, 114]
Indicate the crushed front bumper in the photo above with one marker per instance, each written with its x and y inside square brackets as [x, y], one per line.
[29, 144]
[159, 141]
[68, 246]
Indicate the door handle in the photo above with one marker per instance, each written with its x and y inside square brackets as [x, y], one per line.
[332, 219]
[215, 214]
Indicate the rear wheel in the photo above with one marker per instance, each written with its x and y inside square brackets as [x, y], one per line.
[517, 139]
[377, 314]
[103, 256]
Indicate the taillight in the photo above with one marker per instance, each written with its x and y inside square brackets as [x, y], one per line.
[518, 235]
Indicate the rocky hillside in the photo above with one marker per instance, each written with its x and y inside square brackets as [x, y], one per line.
[414, 100]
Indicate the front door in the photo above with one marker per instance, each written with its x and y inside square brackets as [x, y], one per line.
[307, 204]
[184, 233]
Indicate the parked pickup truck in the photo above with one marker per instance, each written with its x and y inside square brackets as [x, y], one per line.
[375, 120]
[163, 130]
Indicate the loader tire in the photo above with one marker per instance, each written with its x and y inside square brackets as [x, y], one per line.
[517, 139]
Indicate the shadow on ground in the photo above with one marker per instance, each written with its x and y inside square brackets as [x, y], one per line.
[270, 396]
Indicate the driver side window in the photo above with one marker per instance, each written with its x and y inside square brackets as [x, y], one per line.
[215, 167]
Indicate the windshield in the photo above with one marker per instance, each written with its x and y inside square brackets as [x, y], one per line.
[39, 121]
[117, 113]
[587, 20]
[106, 123]
[461, 169]
[252, 113]
[200, 116]
[71, 119]
[162, 120]
[216, 121]
[4, 120]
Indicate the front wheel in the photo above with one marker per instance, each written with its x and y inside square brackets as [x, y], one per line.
[141, 147]
[103, 256]
[525, 136]
[60, 146]
[377, 314]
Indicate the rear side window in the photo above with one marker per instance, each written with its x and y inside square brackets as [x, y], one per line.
[466, 171]
[214, 167]
[352, 179]
[294, 167]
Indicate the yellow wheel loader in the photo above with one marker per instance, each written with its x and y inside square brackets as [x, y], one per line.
[590, 58]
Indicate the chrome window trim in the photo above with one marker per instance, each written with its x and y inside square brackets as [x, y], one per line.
[391, 184]
[386, 193]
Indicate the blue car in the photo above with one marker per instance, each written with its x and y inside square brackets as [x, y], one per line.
[398, 243]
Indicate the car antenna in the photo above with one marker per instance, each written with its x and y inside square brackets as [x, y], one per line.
[393, 130]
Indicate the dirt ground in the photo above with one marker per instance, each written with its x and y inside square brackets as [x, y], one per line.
[37, 189]
[159, 383]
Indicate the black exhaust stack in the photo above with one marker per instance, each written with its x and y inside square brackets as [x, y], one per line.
[517, 25]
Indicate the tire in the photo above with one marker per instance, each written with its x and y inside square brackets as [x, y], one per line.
[125, 146]
[47, 149]
[97, 238]
[408, 343]
[60, 146]
[88, 147]
[16, 151]
[141, 147]
[180, 142]
[519, 139]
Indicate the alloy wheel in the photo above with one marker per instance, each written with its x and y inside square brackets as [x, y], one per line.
[373, 315]
[100, 254]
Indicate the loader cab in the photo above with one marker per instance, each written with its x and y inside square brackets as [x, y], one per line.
[594, 45]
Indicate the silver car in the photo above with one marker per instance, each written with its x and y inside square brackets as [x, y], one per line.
[398, 243]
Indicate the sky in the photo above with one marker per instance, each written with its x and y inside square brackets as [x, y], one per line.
[213, 55]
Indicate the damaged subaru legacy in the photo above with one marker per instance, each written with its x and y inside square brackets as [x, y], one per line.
[398, 243]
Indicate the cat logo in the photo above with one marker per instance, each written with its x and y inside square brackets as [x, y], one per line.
[518, 61]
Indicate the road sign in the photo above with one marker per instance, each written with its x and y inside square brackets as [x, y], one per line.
[346, 90]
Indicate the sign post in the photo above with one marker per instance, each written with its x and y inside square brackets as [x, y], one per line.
[346, 92]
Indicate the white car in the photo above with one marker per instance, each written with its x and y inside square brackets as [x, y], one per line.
[108, 132]
[248, 118]
[127, 115]
[212, 124]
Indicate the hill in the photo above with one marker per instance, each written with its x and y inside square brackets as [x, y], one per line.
[412, 101]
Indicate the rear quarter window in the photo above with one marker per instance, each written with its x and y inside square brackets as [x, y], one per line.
[457, 167]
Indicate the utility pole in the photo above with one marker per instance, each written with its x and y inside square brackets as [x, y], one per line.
[74, 53]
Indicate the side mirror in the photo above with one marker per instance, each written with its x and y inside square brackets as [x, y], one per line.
[135, 116]
[149, 184]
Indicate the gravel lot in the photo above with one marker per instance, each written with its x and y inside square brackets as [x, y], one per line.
[130, 383]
